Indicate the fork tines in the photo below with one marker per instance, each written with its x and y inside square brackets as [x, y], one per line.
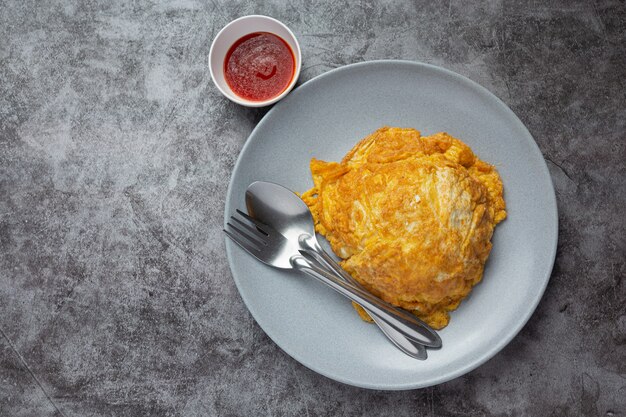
[248, 237]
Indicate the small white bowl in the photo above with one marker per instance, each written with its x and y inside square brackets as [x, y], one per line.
[233, 32]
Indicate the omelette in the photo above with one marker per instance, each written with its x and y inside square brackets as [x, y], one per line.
[410, 216]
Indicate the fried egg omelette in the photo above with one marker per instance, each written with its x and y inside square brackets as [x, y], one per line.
[411, 217]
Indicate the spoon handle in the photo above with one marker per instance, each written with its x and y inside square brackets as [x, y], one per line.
[314, 249]
[410, 347]
[383, 310]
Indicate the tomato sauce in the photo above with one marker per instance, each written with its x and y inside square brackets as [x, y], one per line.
[259, 66]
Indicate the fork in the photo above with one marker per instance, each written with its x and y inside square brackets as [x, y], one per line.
[272, 248]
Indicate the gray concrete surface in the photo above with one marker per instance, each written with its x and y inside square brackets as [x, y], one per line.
[115, 154]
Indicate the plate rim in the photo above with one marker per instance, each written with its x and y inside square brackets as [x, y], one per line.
[497, 347]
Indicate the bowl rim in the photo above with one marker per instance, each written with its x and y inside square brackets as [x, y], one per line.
[228, 93]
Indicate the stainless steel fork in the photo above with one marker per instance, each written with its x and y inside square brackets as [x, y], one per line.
[272, 248]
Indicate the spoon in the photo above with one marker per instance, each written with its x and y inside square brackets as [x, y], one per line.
[282, 209]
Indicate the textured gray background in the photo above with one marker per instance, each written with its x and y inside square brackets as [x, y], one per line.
[115, 154]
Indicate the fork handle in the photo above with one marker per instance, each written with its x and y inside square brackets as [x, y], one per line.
[313, 248]
[383, 310]
[410, 347]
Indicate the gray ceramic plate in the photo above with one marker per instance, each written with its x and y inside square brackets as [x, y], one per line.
[324, 118]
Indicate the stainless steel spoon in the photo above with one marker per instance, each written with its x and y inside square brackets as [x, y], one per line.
[279, 207]
[272, 248]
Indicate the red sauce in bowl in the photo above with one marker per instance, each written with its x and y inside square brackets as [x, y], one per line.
[259, 66]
